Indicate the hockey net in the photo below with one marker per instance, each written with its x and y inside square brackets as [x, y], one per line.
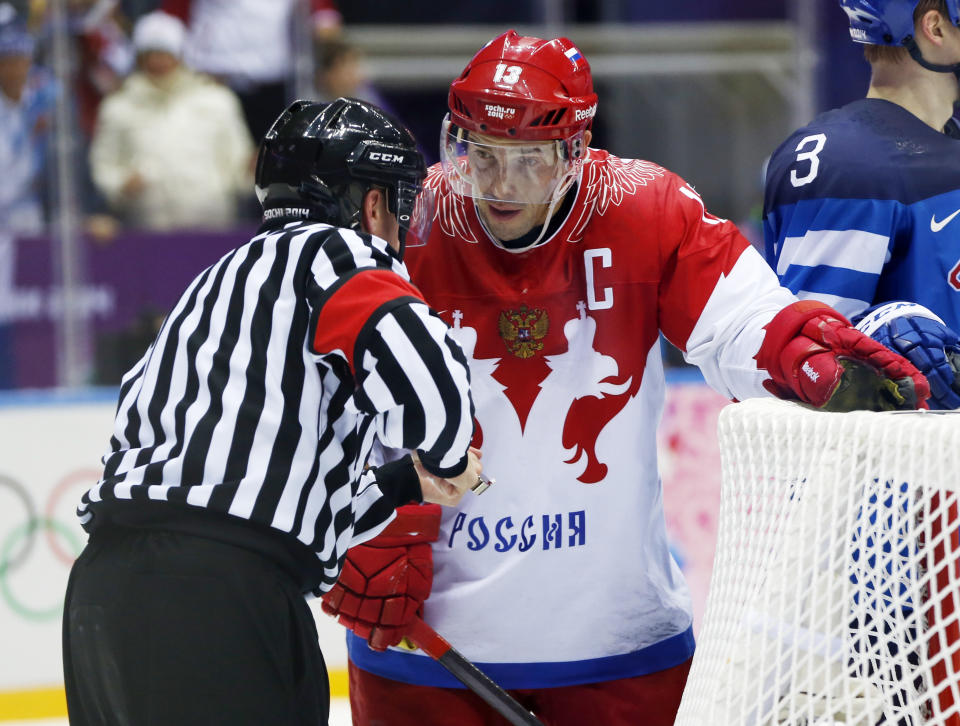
[835, 593]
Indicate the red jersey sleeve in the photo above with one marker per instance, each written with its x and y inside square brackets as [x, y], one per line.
[697, 250]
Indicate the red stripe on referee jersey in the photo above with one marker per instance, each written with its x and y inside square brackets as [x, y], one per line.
[343, 316]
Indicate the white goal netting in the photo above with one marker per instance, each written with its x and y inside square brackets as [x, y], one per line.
[835, 592]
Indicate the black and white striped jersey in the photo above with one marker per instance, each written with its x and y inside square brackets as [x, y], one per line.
[268, 382]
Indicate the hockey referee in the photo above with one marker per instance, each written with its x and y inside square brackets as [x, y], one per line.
[236, 478]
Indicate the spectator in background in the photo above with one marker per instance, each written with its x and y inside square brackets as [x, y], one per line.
[250, 46]
[27, 101]
[104, 55]
[341, 72]
[170, 149]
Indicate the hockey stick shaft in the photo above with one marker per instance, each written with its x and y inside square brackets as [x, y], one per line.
[431, 643]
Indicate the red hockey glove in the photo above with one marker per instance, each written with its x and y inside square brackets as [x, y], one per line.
[813, 354]
[384, 581]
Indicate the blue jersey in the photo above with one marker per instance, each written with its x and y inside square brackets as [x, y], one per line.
[862, 206]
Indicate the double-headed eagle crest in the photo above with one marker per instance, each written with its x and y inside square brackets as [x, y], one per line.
[523, 330]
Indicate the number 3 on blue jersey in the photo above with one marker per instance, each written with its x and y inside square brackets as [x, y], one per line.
[810, 156]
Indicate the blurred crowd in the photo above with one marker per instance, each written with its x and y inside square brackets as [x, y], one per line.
[167, 99]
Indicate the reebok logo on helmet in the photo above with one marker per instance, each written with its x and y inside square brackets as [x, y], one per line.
[583, 114]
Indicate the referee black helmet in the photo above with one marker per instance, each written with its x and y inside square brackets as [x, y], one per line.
[319, 160]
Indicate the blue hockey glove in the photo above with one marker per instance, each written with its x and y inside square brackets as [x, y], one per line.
[921, 337]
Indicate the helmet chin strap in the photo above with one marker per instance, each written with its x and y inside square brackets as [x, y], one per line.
[554, 203]
[911, 45]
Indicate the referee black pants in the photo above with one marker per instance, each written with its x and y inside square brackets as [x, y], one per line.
[169, 629]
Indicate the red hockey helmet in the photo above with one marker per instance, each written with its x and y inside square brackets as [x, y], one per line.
[515, 134]
[523, 87]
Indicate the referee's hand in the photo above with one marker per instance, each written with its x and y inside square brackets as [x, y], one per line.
[449, 492]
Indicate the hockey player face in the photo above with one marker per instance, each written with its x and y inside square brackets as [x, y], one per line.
[514, 183]
[513, 180]
[512, 171]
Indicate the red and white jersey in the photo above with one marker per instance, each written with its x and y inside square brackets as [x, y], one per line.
[561, 573]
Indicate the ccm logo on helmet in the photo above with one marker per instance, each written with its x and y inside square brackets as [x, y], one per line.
[586, 113]
[389, 158]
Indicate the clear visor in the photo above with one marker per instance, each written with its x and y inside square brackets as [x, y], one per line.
[415, 211]
[516, 172]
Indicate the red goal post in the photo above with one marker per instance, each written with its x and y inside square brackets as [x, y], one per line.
[835, 593]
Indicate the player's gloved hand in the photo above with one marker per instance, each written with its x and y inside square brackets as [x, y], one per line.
[924, 339]
[814, 355]
[384, 581]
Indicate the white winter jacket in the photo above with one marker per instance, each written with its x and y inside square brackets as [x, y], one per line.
[189, 142]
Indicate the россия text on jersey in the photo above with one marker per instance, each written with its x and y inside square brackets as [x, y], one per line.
[505, 535]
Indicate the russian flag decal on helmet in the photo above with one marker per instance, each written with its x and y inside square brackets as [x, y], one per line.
[574, 55]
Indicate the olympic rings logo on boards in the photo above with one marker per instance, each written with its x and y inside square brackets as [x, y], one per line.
[20, 545]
